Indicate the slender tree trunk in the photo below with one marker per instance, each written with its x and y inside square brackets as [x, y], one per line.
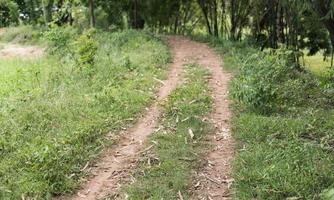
[135, 13]
[215, 18]
[176, 23]
[332, 58]
[223, 22]
[233, 19]
[47, 10]
[204, 9]
[91, 13]
[177, 18]
[32, 12]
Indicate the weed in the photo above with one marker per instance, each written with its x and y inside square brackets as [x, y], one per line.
[53, 119]
[21, 34]
[176, 151]
[285, 153]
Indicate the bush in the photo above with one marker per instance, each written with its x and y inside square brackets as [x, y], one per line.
[60, 39]
[85, 50]
[270, 81]
[9, 13]
[286, 130]
[21, 34]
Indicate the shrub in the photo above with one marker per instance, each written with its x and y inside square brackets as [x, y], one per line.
[60, 39]
[270, 81]
[9, 13]
[20, 34]
[85, 50]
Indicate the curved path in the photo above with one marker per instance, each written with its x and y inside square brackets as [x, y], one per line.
[214, 179]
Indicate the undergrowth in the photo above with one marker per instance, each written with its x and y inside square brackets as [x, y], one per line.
[177, 143]
[54, 115]
[283, 121]
[21, 34]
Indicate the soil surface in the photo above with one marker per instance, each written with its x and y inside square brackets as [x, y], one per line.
[20, 51]
[214, 179]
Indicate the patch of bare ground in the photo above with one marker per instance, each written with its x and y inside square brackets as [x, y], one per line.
[20, 51]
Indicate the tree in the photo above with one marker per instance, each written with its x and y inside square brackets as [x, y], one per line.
[324, 8]
[209, 10]
[9, 13]
[239, 11]
[47, 10]
[91, 13]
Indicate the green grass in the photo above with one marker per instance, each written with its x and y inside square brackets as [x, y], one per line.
[21, 34]
[176, 152]
[54, 116]
[317, 65]
[282, 157]
[285, 154]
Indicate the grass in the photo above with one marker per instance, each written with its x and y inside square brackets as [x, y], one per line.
[279, 160]
[285, 154]
[54, 116]
[317, 65]
[21, 34]
[175, 155]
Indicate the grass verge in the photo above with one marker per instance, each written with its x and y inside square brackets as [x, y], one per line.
[54, 115]
[285, 138]
[178, 142]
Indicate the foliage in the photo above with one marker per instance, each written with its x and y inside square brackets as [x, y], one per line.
[86, 49]
[9, 13]
[175, 150]
[284, 153]
[280, 158]
[60, 39]
[21, 34]
[271, 81]
[295, 24]
[54, 120]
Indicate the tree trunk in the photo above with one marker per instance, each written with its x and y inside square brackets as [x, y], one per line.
[91, 13]
[223, 22]
[322, 8]
[32, 12]
[47, 10]
[203, 6]
[233, 19]
[215, 18]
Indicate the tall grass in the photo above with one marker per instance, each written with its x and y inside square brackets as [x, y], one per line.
[284, 125]
[54, 116]
[21, 34]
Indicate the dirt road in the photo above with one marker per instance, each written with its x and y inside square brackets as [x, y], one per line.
[213, 181]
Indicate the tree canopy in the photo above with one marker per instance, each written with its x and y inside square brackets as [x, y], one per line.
[270, 23]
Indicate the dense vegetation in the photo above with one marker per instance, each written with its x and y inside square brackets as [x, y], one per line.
[284, 123]
[97, 77]
[294, 24]
[55, 112]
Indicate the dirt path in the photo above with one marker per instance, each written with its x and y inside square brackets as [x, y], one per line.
[113, 167]
[20, 51]
[214, 180]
